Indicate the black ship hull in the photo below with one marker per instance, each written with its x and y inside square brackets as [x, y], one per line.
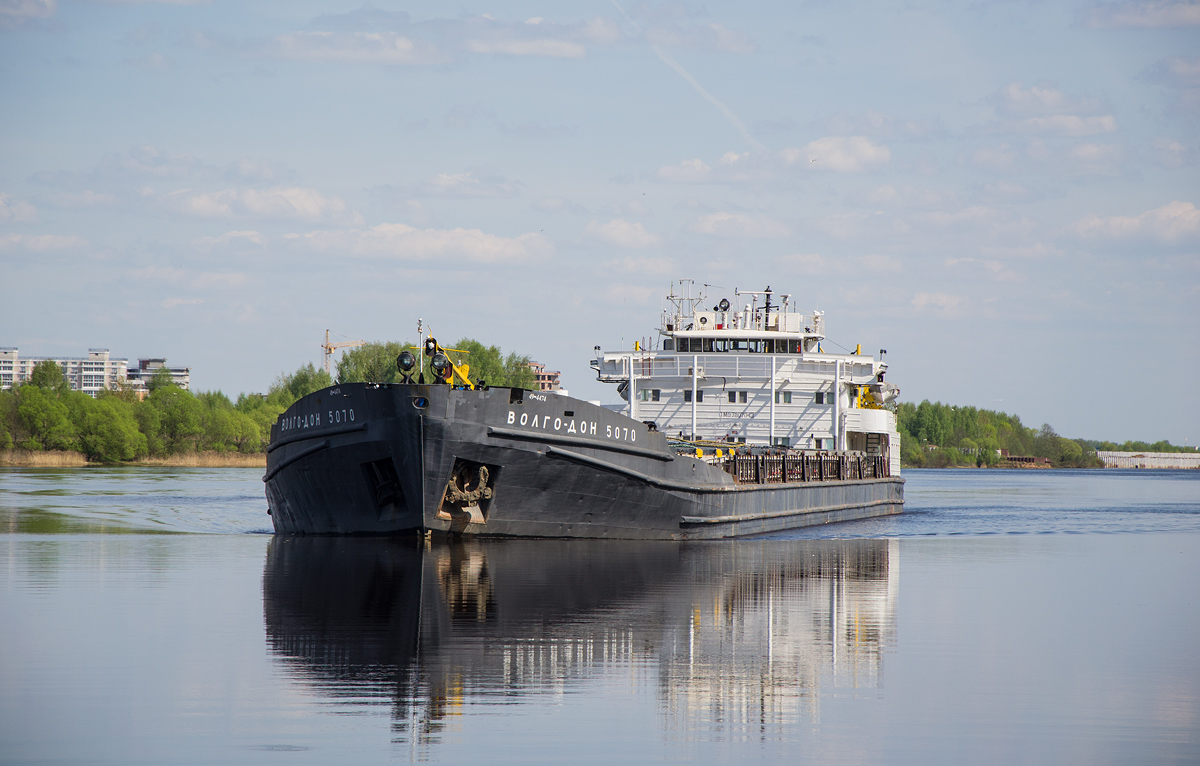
[387, 459]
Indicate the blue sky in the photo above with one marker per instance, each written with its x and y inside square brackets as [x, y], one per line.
[1004, 195]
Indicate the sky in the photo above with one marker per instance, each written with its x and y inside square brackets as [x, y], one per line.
[1001, 194]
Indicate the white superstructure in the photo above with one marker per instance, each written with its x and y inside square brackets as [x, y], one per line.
[754, 372]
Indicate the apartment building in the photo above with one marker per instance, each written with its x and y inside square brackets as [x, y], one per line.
[94, 372]
[139, 377]
[546, 380]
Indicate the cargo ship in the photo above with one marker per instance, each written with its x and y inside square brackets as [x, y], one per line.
[735, 421]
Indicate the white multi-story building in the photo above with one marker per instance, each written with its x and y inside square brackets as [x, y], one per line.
[89, 374]
[95, 372]
[139, 377]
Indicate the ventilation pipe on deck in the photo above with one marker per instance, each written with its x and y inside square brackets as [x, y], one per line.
[695, 371]
[772, 439]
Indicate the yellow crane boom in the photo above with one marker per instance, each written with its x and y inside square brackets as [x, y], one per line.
[329, 348]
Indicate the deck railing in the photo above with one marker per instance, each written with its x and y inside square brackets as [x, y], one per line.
[805, 467]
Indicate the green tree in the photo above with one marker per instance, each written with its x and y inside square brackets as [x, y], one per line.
[47, 374]
[46, 419]
[489, 364]
[372, 363]
[160, 379]
[150, 424]
[109, 432]
[9, 421]
[1069, 453]
[262, 413]
[180, 416]
[304, 381]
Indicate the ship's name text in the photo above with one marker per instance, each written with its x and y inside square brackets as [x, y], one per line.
[313, 420]
[578, 426]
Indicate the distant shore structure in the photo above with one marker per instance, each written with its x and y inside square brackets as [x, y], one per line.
[1149, 459]
[92, 373]
[547, 380]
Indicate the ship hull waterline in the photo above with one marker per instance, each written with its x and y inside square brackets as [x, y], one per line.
[388, 459]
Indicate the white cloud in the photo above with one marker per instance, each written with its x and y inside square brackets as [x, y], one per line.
[1180, 72]
[85, 198]
[171, 303]
[278, 202]
[1094, 153]
[1046, 110]
[1171, 153]
[991, 221]
[872, 123]
[948, 305]
[1068, 125]
[1171, 222]
[844, 225]
[624, 292]
[843, 154]
[907, 196]
[1155, 13]
[632, 207]
[997, 270]
[705, 35]
[231, 238]
[739, 225]
[1000, 157]
[13, 12]
[407, 243]
[622, 233]
[199, 279]
[155, 62]
[148, 161]
[356, 47]
[1078, 160]
[808, 261]
[473, 183]
[851, 265]
[545, 46]
[215, 279]
[559, 205]
[41, 242]
[536, 37]
[686, 172]
[644, 266]
[1016, 100]
[13, 210]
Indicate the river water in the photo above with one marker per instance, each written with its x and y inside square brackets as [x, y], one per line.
[148, 616]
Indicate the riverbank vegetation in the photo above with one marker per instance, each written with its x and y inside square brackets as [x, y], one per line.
[171, 426]
[940, 435]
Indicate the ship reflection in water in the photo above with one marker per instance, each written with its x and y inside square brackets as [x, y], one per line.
[737, 638]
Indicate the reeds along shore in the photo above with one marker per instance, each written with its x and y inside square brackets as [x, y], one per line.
[67, 459]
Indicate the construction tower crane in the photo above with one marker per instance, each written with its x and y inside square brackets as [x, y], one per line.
[330, 347]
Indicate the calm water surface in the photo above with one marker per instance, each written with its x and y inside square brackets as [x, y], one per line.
[1043, 617]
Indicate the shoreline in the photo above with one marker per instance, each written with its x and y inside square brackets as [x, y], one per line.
[66, 459]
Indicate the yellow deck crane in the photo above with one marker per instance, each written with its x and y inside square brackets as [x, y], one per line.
[329, 348]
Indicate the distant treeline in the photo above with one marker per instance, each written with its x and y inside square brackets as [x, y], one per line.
[940, 435]
[118, 426]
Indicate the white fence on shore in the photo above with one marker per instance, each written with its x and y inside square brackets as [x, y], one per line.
[1149, 459]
